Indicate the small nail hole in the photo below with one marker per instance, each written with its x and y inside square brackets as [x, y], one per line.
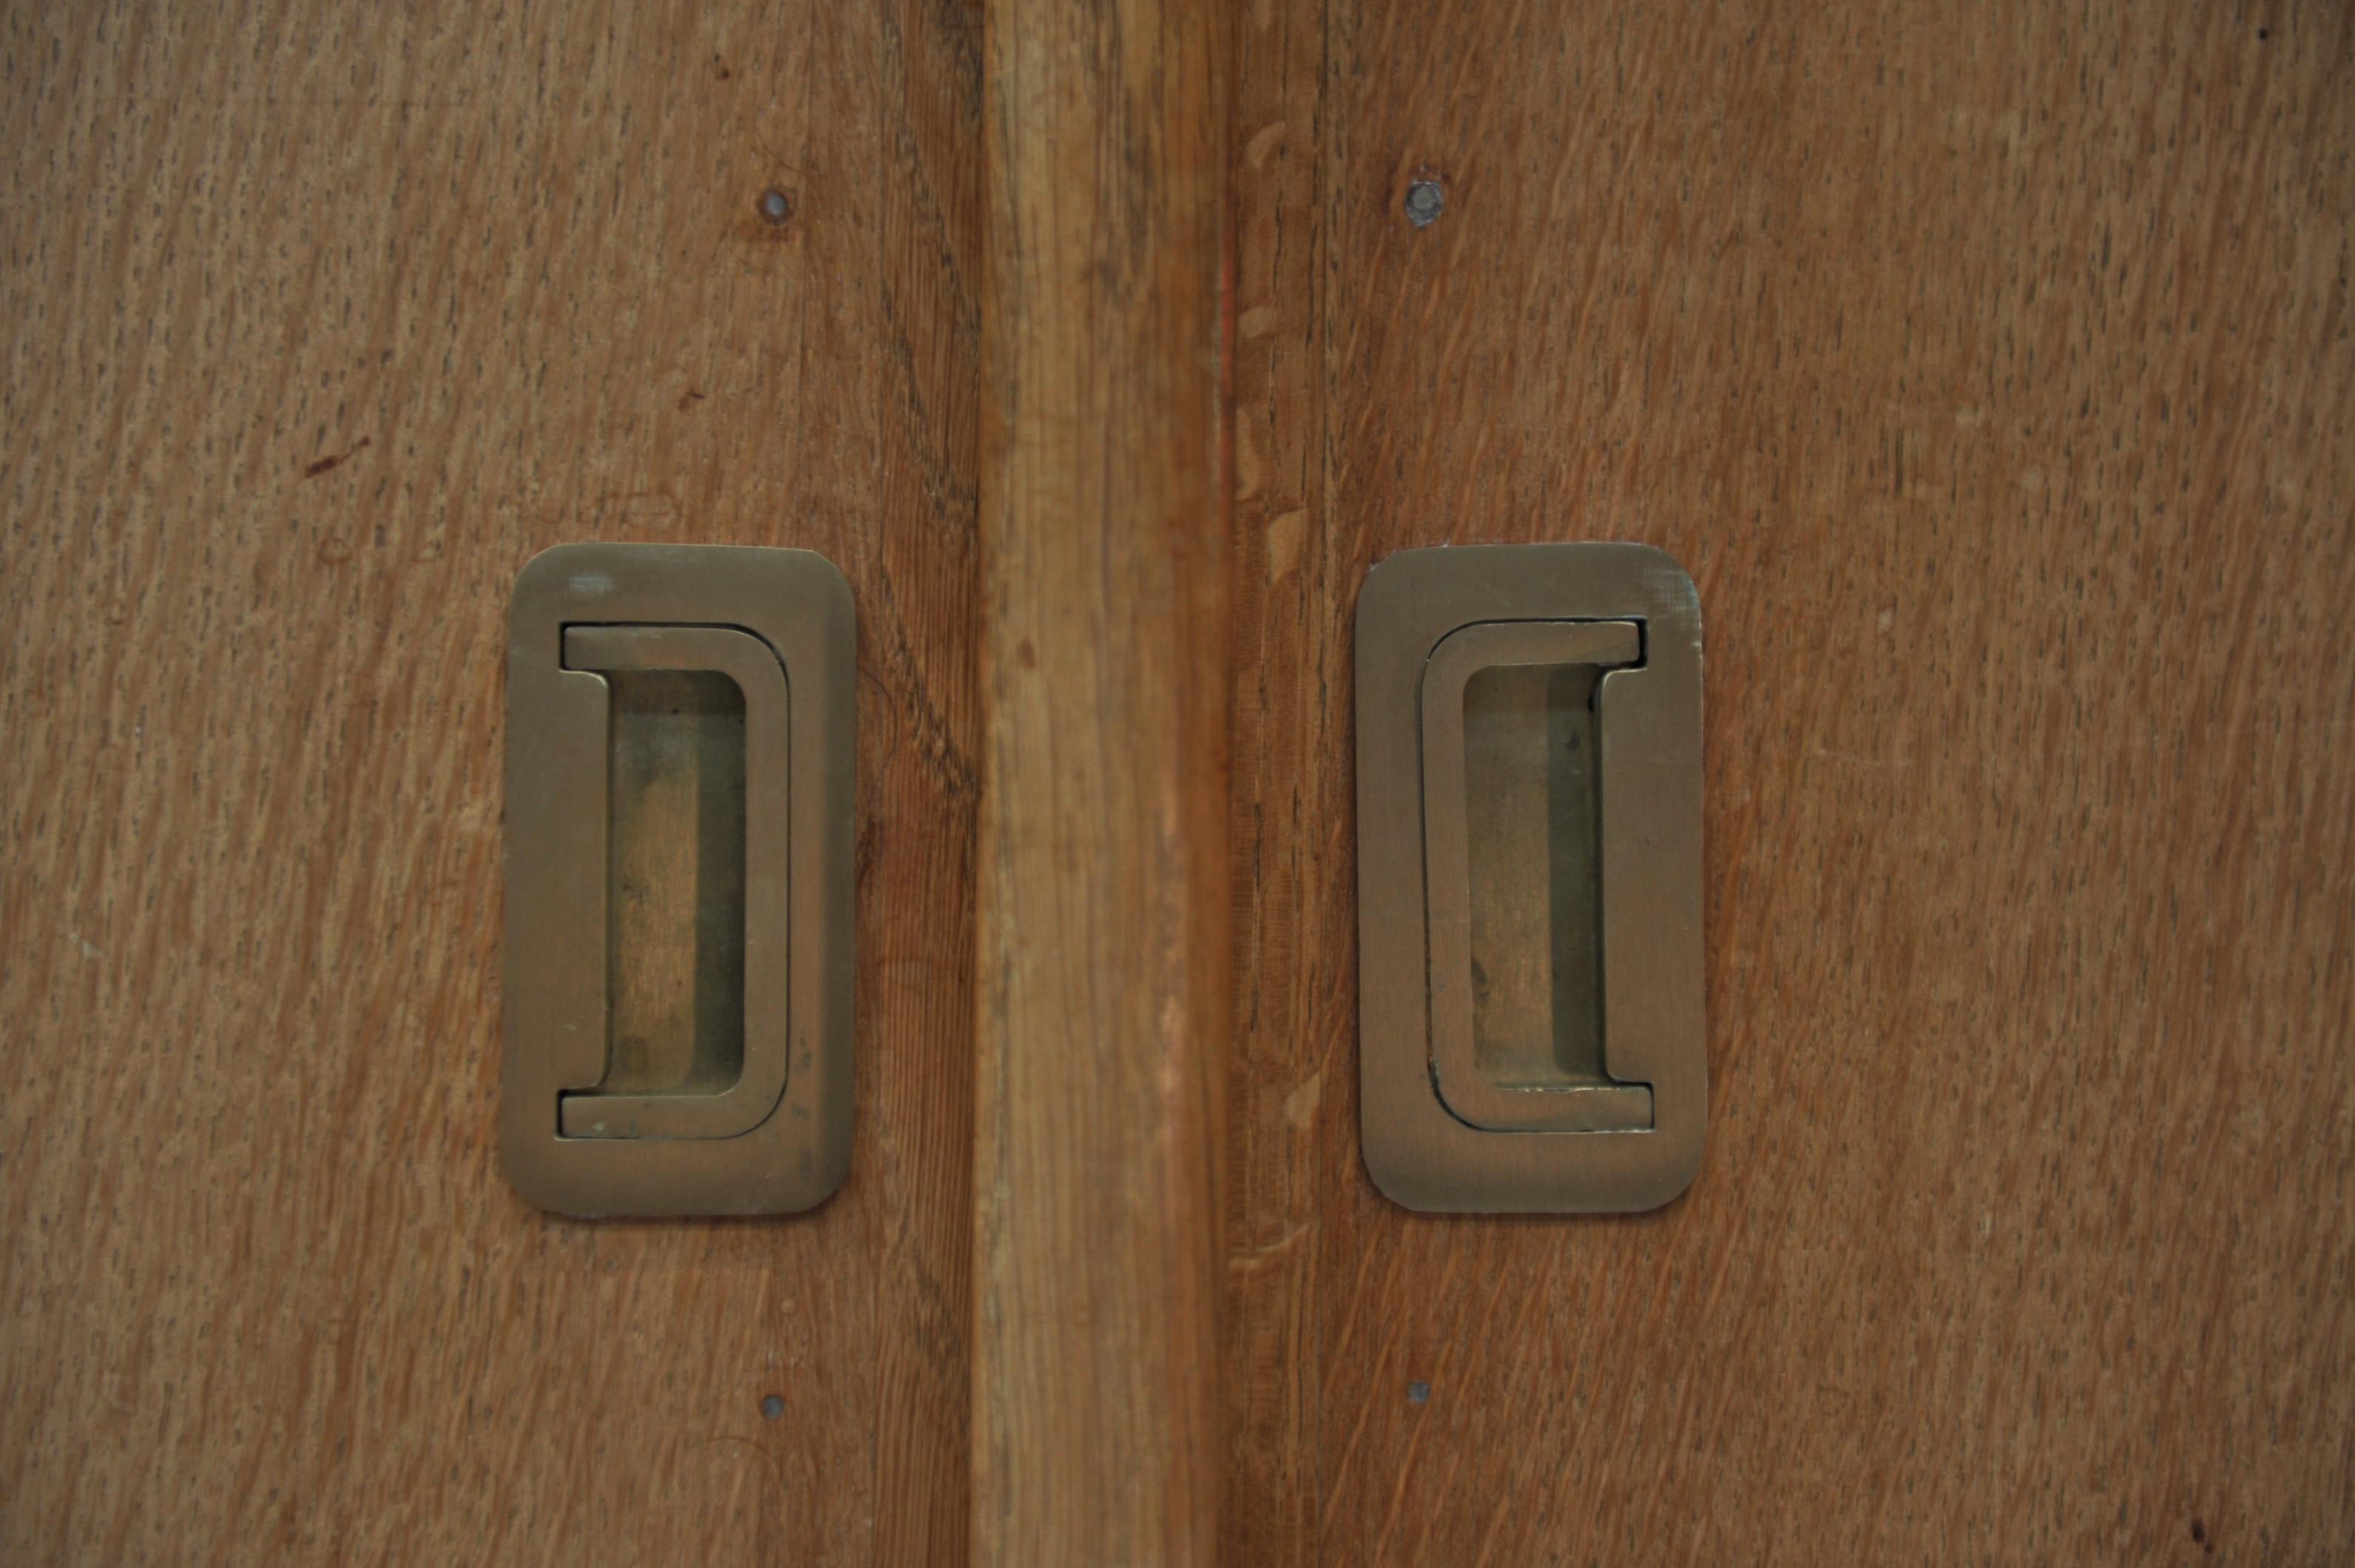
[1424, 202]
[773, 1407]
[775, 205]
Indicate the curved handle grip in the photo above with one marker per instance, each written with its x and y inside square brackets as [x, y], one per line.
[587, 1112]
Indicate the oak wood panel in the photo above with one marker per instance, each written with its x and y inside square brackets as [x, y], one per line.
[1988, 366]
[321, 320]
[1294, 845]
[1103, 960]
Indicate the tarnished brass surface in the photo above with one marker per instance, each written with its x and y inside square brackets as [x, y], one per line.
[679, 960]
[1530, 1035]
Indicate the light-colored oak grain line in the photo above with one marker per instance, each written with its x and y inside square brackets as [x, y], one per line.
[1103, 1004]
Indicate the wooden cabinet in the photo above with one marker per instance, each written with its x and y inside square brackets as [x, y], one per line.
[322, 320]
[1987, 366]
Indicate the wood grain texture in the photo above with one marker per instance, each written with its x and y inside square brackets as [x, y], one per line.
[1988, 364]
[1293, 844]
[1104, 921]
[322, 320]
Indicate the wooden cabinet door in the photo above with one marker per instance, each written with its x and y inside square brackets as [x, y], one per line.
[1988, 367]
[322, 320]
[1986, 364]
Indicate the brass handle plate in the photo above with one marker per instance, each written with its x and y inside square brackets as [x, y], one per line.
[679, 880]
[1529, 861]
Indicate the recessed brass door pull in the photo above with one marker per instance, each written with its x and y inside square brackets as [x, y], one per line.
[1529, 873]
[678, 881]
